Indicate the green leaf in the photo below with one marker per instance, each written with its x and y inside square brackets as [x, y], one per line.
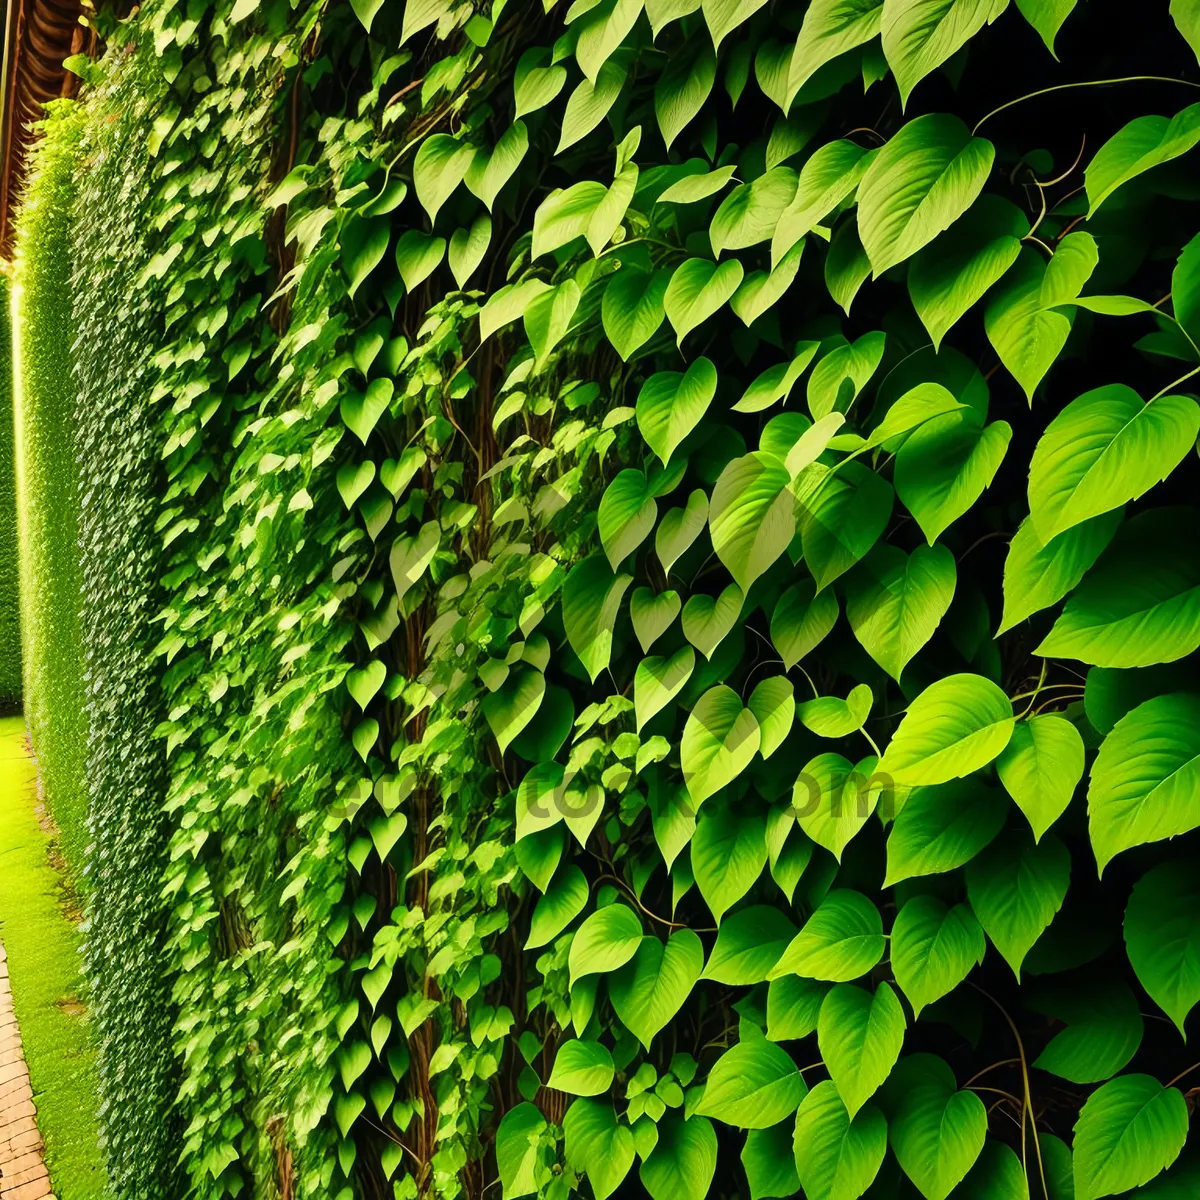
[751, 515]
[363, 684]
[832, 799]
[761, 291]
[671, 404]
[1128, 1131]
[468, 247]
[831, 28]
[536, 82]
[364, 243]
[518, 1139]
[707, 621]
[1023, 320]
[626, 515]
[1144, 781]
[602, 31]
[773, 704]
[934, 948]
[591, 599]
[748, 945]
[801, 620]
[936, 1131]
[589, 104]
[847, 266]
[1140, 604]
[438, 169]
[1104, 1030]
[488, 173]
[895, 602]
[699, 186]
[920, 35]
[1047, 17]
[1016, 888]
[941, 828]
[952, 274]
[564, 900]
[511, 708]
[548, 318]
[683, 1162]
[1162, 937]
[793, 1006]
[1104, 449]
[607, 940]
[724, 16]
[582, 1069]
[1041, 767]
[997, 1175]
[841, 515]
[841, 374]
[652, 615]
[919, 183]
[1144, 143]
[364, 10]
[954, 727]
[420, 14]
[598, 1145]
[719, 740]
[944, 466]
[767, 1160]
[860, 1037]
[682, 89]
[1037, 575]
[679, 528]
[749, 214]
[840, 942]
[698, 289]
[418, 255]
[651, 988]
[837, 1158]
[566, 215]
[632, 308]
[826, 179]
[1186, 14]
[833, 717]
[728, 853]
[658, 680]
[753, 1085]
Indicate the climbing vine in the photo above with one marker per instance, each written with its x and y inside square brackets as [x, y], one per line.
[644, 559]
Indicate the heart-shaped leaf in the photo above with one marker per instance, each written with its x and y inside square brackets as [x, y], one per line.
[658, 680]
[832, 717]
[698, 289]
[354, 479]
[719, 740]
[652, 615]
[679, 528]
[626, 516]
[651, 988]
[670, 405]
[361, 410]
[707, 619]
[362, 684]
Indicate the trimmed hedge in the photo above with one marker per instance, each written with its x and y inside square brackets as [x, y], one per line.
[46, 479]
[10, 612]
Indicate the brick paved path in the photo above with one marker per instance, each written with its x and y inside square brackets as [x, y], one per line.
[23, 1174]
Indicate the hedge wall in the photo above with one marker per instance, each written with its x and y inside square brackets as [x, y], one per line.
[10, 613]
[613, 534]
[46, 481]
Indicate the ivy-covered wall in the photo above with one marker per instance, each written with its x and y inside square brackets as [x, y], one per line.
[10, 613]
[47, 474]
[612, 535]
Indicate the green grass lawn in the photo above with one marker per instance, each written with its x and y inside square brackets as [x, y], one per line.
[43, 962]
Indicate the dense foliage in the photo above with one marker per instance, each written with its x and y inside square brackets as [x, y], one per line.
[10, 613]
[46, 476]
[628, 525]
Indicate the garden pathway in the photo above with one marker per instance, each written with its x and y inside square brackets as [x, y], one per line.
[23, 1174]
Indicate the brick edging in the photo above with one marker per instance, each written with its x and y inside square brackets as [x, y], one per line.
[23, 1174]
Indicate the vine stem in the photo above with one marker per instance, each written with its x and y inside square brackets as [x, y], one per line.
[1027, 1105]
[1182, 1074]
[1082, 83]
[1172, 386]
